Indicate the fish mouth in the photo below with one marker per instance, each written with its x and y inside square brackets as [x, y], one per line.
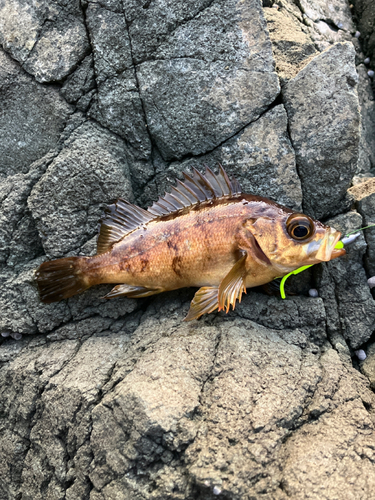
[327, 250]
[337, 252]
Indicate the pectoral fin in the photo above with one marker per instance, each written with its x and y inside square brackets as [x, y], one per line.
[134, 292]
[204, 301]
[233, 285]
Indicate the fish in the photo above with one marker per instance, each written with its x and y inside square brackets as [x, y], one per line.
[204, 233]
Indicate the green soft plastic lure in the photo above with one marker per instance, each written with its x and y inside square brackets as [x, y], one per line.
[338, 246]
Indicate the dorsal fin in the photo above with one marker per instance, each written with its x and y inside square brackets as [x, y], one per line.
[122, 217]
[196, 189]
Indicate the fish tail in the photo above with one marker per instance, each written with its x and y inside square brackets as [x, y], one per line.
[61, 278]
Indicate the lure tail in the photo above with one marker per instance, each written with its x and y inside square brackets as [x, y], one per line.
[60, 279]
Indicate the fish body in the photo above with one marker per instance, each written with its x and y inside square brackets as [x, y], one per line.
[206, 234]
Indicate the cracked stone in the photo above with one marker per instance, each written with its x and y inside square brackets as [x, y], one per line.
[366, 161]
[344, 289]
[32, 118]
[364, 195]
[123, 399]
[91, 170]
[48, 38]
[291, 46]
[81, 82]
[257, 156]
[336, 12]
[193, 101]
[322, 106]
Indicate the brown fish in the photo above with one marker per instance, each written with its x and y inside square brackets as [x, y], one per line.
[206, 233]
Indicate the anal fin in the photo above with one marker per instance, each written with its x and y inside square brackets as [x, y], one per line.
[134, 292]
[233, 285]
[204, 301]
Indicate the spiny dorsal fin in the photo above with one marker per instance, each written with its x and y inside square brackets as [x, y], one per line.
[196, 189]
[122, 217]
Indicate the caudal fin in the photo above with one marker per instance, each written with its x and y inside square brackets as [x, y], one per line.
[60, 279]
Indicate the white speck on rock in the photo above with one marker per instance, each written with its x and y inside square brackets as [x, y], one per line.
[367, 60]
[313, 292]
[371, 282]
[361, 355]
[216, 490]
[357, 34]
[16, 336]
[370, 73]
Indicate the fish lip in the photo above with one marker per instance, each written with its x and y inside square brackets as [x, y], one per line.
[327, 251]
[337, 252]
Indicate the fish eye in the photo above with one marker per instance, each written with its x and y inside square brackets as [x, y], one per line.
[300, 227]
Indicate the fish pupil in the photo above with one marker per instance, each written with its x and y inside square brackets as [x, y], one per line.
[300, 231]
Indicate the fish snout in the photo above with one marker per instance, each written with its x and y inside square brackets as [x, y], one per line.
[327, 251]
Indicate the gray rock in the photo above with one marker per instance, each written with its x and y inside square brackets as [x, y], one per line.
[21, 310]
[367, 105]
[81, 82]
[343, 286]
[60, 48]
[302, 315]
[91, 170]
[363, 10]
[364, 195]
[322, 106]
[206, 88]
[110, 41]
[336, 12]
[28, 135]
[260, 157]
[19, 239]
[121, 398]
[49, 38]
[119, 108]
[179, 406]
[368, 366]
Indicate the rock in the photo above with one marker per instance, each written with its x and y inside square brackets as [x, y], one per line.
[20, 306]
[49, 39]
[322, 106]
[104, 399]
[363, 10]
[291, 46]
[368, 365]
[110, 41]
[27, 136]
[91, 170]
[201, 90]
[336, 13]
[367, 105]
[343, 286]
[19, 239]
[58, 51]
[364, 195]
[80, 83]
[180, 405]
[256, 156]
[118, 106]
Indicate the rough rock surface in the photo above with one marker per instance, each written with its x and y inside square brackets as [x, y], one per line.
[364, 13]
[322, 96]
[121, 399]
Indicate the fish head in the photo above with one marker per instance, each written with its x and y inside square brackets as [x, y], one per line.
[290, 240]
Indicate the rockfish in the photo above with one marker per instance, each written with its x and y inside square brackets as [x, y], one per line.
[205, 233]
